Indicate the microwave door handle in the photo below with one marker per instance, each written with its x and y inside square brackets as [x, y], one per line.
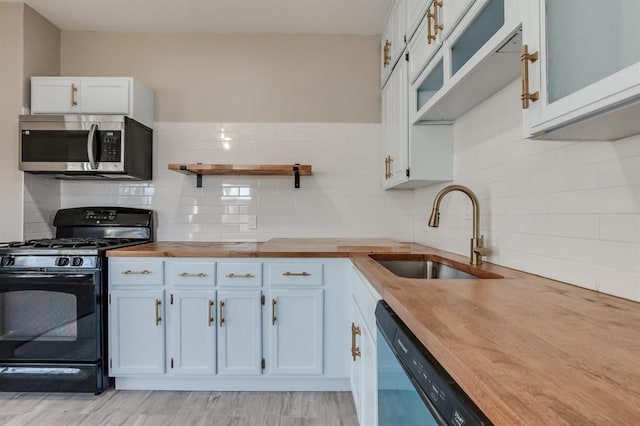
[91, 146]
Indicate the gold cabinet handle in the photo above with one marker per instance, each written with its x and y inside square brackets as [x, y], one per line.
[239, 275]
[390, 167]
[188, 275]
[355, 351]
[296, 274]
[430, 36]
[74, 91]
[210, 312]
[158, 317]
[387, 168]
[525, 58]
[130, 272]
[387, 53]
[436, 27]
[220, 317]
[273, 311]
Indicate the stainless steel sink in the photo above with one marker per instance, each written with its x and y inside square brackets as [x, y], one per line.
[425, 269]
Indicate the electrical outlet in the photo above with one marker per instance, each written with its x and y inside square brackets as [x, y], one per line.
[253, 222]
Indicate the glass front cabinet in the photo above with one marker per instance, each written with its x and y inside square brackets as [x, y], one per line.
[581, 69]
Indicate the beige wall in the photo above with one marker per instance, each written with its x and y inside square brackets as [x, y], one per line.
[41, 56]
[232, 78]
[41, 49]
[11, 43]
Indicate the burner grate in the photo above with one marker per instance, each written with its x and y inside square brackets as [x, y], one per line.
[55, 243]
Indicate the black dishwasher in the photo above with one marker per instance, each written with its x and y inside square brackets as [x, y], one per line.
[413, 388]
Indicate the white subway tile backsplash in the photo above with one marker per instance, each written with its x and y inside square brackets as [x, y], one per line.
[343, 197]
[561, 209]
[625, 228]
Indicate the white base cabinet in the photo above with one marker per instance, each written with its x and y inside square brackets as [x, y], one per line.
[364, 383]
[240, 333]
[191, 332]
[296, 331]
[226, 327]
[136, 332]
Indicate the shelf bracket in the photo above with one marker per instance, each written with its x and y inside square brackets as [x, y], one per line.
[296, 175]
[198, 176]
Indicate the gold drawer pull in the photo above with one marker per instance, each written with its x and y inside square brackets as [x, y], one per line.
[188, 275]
[130, 272]
[296, 274]
[239, 275]
[355, 351]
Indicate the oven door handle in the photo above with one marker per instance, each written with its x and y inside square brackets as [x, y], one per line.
[92, 146]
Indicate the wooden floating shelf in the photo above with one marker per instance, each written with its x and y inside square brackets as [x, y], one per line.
[198, 169]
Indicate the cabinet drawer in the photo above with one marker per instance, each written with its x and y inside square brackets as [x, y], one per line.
[295, 273]
[136, 272]
[185, 273]
[239, 274]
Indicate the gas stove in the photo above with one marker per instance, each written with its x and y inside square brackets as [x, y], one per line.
[53, 299]
[81, 233]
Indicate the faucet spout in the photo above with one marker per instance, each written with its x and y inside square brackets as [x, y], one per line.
[477, 241]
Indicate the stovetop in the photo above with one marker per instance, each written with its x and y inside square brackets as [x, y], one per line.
[82, 233]
[62, 243]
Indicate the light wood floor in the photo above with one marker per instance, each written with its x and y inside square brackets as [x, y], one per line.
[179, 408]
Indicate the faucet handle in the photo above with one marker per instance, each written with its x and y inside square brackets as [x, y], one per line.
[482, 251]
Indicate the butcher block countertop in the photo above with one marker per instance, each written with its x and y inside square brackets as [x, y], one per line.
[526, 349]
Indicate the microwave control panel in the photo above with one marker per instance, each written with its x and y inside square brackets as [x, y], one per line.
[110, 149]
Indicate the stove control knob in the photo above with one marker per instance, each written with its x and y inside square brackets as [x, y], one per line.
[77, 261]
[7, 261]
[62, 261]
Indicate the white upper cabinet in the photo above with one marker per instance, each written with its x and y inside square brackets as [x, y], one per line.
[414, 155]
[92, 95]
[55, 95]
[393, 40]
[450, 12]
[416, 10]
[581, 80]
[474, 52]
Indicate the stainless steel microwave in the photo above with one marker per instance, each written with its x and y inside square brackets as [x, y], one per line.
[85, 147]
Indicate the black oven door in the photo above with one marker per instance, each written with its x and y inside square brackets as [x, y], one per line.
[49, 317]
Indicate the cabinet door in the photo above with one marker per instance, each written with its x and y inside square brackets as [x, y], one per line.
[55, 95]
[191, 331]
[136, 332]
[105, 95]
[451, 12]
[393, 41]
[239, 332]
[369, 378]
[395, 126]
[363, 369]
[416, 11]
[588, 66]
[296, 334]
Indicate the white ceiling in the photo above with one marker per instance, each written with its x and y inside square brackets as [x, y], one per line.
[217, 16]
